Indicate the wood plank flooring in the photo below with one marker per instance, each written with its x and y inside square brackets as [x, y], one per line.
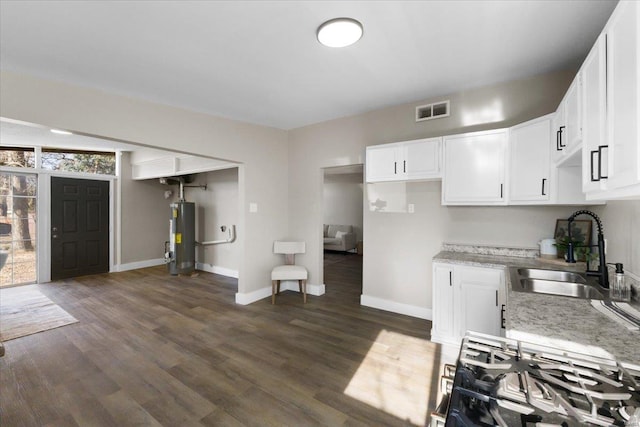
[151, 349]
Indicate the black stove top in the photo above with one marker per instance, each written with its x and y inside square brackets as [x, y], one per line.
[510, 383]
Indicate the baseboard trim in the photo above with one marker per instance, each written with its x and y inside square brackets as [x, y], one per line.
[396, 307]
[139, 264]
[285, 285]
[223, 271]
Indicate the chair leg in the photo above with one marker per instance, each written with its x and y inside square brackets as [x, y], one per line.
[278, 287]
[273, 291]
[304, 291]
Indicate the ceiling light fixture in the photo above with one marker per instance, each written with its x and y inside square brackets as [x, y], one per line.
[339, 32]
[61, 132]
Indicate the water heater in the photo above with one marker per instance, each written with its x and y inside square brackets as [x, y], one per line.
[182, 238]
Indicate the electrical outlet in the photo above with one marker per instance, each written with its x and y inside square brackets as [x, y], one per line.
[253, 207]
[411, 207]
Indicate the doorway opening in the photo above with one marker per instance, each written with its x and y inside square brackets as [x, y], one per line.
[342, 230]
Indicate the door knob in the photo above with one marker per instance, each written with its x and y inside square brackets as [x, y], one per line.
[54, 229]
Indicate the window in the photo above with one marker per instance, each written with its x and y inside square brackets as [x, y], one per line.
[17, 157]
[79, 161]
[17, 228]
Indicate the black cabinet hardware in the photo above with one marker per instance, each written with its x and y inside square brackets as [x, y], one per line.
[502, 318]
[600, 147]
[496, 297]
[558, 141]
[404, 166]
[450, 279]
[593, 178]
[501, 186]
[543, 182]
[395, 168]
[561, 131]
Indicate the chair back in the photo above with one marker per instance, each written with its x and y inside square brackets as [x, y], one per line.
[289, 249]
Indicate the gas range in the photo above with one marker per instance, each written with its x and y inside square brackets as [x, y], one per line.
[504, 382]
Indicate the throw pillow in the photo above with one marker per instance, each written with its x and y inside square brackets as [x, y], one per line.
[339, 234]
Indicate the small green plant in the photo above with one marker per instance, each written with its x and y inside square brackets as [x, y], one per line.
[581, 252]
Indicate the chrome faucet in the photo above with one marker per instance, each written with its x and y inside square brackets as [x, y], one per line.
[602, 272]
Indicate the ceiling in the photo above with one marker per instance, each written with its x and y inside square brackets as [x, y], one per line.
[260, 62]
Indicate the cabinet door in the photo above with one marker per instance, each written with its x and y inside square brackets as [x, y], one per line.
[594, 149]
[474, 168]
[382, 163]
[422, 158]
[558, 145]
[481, 295]
[443, 304]
[529, 166]
[572, 135]
[622, 91]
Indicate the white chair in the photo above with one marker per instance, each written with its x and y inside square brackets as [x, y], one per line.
[289, 271]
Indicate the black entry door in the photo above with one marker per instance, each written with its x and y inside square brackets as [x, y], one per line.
[79, 227]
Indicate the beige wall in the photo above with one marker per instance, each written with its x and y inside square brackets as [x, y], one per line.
[262, 152]
[145, 212]
[216, 206]
[342, 201]
[414, 239]
[621, 223]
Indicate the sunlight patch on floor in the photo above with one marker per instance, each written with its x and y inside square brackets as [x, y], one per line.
[396, 376]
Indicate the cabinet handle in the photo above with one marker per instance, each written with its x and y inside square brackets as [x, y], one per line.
[558, 141]
[395, 168]
[404, 166]
[501, 191]
[600, 147]
[496, 297]
[502, 319]
[561, 130]
[450, 279]
[593, 179]
[543, 182]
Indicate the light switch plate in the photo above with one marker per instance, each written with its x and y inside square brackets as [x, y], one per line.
[253, 207]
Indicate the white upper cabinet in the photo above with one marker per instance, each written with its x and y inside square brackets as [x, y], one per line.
[568, 123]
[623, 46]
[529, 166]
[474, 168]
[402, 161]
[611, 152]
[594, 173]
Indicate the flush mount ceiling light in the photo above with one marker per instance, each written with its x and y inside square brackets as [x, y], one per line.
[340, 32]
[61, 132]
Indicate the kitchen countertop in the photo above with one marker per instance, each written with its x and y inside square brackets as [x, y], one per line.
[561, 322]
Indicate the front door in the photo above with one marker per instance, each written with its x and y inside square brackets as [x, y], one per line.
[79, 227]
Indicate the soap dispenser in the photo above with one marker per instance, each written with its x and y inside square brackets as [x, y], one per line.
[620, 290]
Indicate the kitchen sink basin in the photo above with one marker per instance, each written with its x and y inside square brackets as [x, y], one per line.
[556, 282]
[567, 289]
[553, 275]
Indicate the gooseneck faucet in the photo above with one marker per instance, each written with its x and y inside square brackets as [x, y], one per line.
[602, 272]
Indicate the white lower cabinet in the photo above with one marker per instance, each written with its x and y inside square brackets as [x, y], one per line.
[466, 299]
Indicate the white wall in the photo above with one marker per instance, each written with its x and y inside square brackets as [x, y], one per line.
[342, 200]
[413, 239]
[262, 152]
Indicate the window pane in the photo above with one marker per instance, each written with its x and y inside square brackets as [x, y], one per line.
[17, 157]
[79, 161]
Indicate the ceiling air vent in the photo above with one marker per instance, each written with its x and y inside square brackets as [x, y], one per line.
[432, 111]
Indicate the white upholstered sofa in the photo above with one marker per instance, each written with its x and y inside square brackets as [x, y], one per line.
[339, 237]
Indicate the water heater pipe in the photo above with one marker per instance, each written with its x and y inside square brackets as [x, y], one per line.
[230, 239]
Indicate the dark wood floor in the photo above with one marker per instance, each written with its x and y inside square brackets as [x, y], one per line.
[152, 349]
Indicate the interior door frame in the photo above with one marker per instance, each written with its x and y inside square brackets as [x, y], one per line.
[44, 219]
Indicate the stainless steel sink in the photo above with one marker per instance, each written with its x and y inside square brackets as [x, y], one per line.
[556, 282]
[555, 275]
[567, 289]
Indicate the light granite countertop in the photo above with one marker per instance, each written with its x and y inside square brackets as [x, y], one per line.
[561, 322]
